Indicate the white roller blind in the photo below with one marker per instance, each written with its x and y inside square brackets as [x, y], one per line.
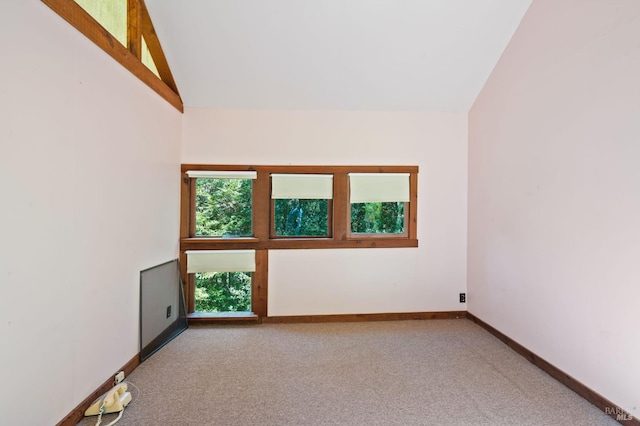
[379, 187]
[221, 174]
[285, 186]
[221, 261]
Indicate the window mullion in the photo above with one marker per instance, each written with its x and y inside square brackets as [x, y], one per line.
[341, 206]
[261, 206]
[259, 284]
[412, 211]
[192, 207]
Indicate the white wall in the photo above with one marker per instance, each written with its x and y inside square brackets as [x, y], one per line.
[554, 193]
[306, 282]
[89, 186]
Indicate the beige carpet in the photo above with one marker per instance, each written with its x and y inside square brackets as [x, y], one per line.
[435, 372]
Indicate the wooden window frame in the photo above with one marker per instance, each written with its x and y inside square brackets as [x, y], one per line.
[272, 216]
[410, 213]
[138, 25]
[263, 239]
[262, 217]
[192, 213]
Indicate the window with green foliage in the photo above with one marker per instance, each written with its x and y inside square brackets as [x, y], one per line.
[301, 218]
[223, 207]
[378, 202]
[232, 216]
[223, 292]
[377, 218]
[301, 204]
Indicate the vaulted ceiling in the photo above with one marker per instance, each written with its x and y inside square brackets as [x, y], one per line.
[334, 54]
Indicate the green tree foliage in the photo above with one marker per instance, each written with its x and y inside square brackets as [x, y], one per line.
[223, 207]
[376, 218]
[298, 217]
[223, 292]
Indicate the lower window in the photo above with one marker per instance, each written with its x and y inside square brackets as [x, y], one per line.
[223, 292]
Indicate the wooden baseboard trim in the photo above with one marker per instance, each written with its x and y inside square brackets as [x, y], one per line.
[398, 316]
[78, 413]
[609, 408]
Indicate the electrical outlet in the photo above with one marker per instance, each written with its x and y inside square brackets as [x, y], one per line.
[463, 297]
[168, 311]
[119, 377]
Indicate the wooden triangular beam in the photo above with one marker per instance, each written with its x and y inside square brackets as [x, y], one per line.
[129, 56]
[153, 43]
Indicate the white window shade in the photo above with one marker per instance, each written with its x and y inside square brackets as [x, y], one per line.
[221, 261]
[379, 187]
[212, 174]
[286, 186]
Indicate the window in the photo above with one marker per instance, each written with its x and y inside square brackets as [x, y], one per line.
[223, 292]
[378, 202]
[223, 279]
[301, 205]
[378, 218]
[223, 203]
[123, 29]
[234, 208]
